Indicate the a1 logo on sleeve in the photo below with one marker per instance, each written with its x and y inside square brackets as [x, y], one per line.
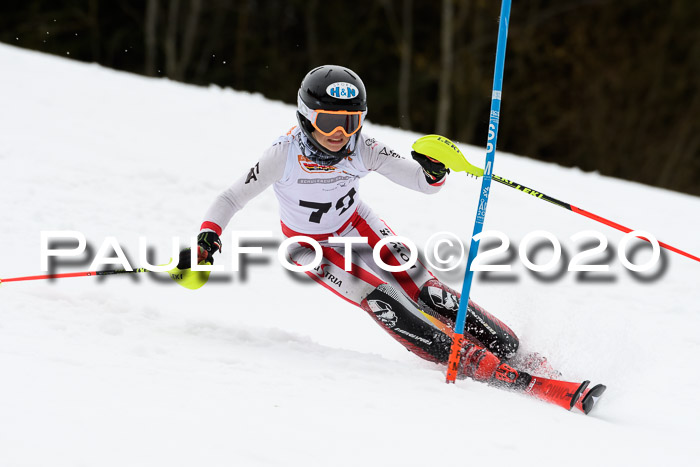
[253, 174]
[342, 90]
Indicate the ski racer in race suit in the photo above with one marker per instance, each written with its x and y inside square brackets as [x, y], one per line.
[315, 171]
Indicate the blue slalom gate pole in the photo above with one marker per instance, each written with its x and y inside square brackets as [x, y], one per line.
[458, 337]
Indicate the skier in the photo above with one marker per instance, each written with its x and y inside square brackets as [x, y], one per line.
[315, 171]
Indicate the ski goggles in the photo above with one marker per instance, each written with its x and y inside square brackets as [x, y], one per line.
[328, 122]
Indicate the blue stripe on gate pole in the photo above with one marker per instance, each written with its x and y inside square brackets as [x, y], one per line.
[490, 156]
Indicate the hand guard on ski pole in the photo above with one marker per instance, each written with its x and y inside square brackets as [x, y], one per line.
[208, 243]
[433, 169]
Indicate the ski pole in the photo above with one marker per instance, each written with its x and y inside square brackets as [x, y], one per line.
[458, 338]
[448, 153]
[185, 277]
[583, 212]
[73, 274]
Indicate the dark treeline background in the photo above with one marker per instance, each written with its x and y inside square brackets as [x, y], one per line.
[606, 85]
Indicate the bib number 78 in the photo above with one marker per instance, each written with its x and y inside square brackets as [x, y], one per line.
[342, 205]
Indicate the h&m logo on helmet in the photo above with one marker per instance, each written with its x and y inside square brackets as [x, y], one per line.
[342, 90]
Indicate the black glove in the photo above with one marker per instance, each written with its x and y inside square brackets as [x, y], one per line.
[433, 169]
[208, 243]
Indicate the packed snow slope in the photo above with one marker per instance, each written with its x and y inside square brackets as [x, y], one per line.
[268, 369]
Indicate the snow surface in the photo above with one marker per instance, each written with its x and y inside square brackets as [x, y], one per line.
[265, 369]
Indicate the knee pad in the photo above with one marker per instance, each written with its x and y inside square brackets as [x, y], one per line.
[443, 302]
[401, 318]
